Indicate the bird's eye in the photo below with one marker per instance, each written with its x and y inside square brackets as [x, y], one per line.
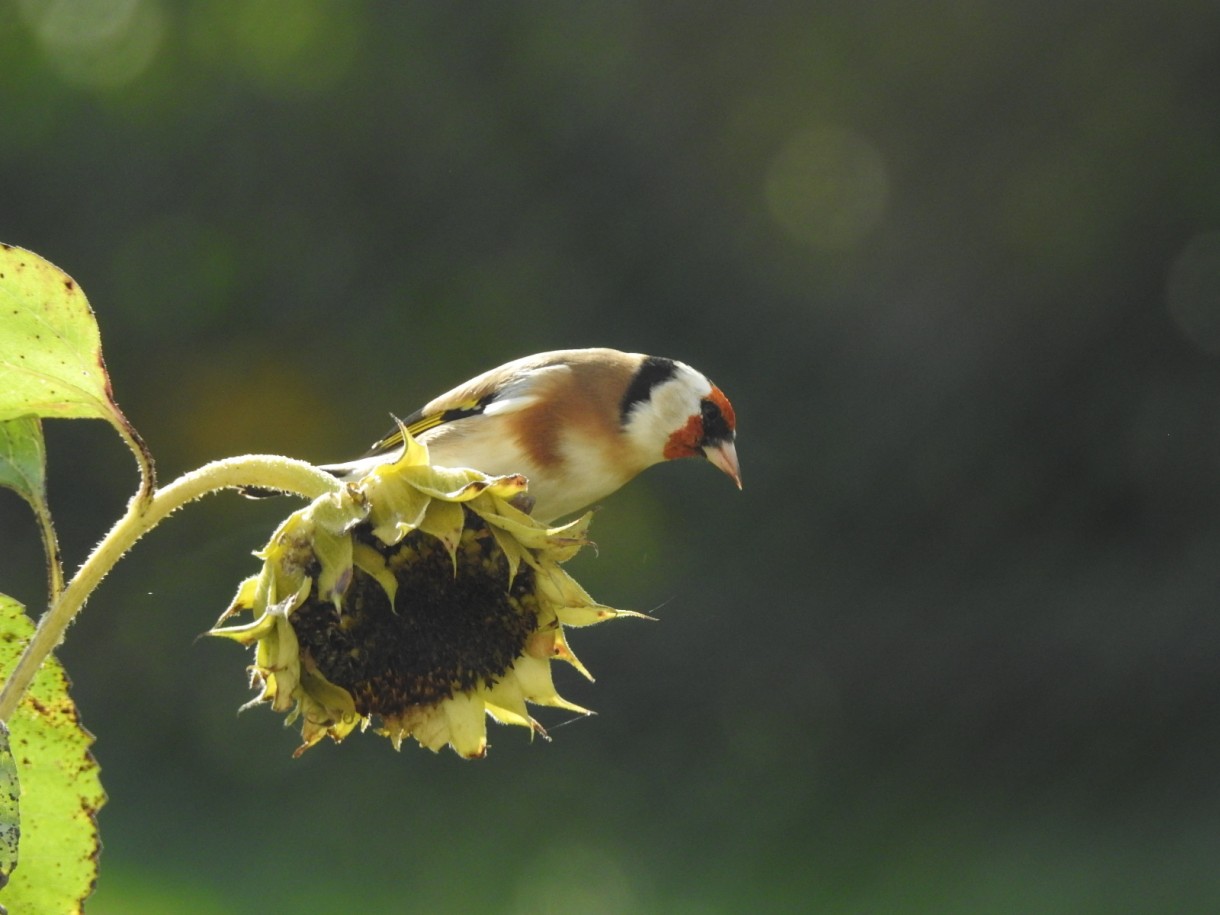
[715, 427]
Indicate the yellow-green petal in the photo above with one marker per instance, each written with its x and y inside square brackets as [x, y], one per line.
[535, 537]
[512, 549]
[592, 614]
[372, 563]
[534, 675]
[506, 703]
[248, 633]
[395, 510]
[464, 715]
[444, 521]
[459, 484]
[334, 556]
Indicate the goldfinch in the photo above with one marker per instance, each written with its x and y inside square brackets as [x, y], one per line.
[578, 423]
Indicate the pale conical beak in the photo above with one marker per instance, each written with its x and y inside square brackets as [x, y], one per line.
[723, 455]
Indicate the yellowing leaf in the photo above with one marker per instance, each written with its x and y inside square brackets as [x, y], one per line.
[51, 350]
[60, 789]
[50, 346]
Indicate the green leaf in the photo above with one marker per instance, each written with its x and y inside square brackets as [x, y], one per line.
[23, 458]
[23, 469]
[60, 789]
[10, 813]
[51, 350]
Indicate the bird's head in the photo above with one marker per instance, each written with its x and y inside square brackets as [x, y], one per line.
[672, 411]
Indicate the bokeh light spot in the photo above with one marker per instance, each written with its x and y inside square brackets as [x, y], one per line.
[1192, 292]
[103, 44]
[827, 187]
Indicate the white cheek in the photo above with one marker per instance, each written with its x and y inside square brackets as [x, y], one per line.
[671, 407]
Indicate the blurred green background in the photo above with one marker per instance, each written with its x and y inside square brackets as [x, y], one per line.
[956, 646]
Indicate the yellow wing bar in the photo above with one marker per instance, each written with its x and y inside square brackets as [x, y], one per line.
[418, 423]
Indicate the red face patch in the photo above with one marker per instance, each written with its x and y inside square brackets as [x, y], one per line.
[726, 409]
[685, 442]
[689, 440]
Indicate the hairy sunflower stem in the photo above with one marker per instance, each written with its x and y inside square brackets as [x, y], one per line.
[146, 510]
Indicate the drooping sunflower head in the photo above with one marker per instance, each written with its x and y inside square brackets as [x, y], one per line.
[419, 599]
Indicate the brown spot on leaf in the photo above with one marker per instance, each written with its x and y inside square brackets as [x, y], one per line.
[37, 706]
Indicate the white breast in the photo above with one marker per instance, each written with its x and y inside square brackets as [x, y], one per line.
[555, 494]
